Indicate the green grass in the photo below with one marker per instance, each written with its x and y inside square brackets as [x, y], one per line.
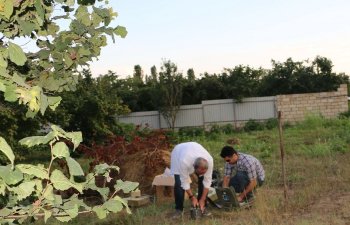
[317, 150]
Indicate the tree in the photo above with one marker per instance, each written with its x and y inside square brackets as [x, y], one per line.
[171, 84]
[34, 79]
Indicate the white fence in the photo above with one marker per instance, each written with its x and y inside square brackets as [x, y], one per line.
[209, 112]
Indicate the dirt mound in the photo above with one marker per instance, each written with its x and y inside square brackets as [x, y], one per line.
[142, 167]
[139, 159]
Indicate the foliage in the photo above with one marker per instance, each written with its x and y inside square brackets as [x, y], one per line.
[91, 109]
[253, 125]
[191, 131]
[32, 190]
[33, 79]
[271, 123]
[233, 83]
[170, 81]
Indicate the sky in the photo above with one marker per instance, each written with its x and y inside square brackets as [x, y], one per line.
[209, 36]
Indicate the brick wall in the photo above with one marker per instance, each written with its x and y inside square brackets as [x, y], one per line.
[329, 104]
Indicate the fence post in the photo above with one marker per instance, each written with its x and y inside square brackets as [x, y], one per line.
[280, 129]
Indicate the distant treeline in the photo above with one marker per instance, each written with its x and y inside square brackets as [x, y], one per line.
[142, 92]
[92, 108]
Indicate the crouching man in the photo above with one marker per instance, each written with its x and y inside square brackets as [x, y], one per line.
[188, 158]
[249, 172]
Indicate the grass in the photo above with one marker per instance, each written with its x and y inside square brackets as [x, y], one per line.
[317, 156]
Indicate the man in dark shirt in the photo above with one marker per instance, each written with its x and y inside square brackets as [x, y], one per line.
[249, 172]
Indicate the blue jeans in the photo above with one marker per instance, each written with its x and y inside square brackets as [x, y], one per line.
[179, 192]
[241, 180]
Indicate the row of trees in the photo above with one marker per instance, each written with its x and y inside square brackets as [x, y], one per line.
[92, 108]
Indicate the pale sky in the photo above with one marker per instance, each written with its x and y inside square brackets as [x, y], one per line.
[209, 35]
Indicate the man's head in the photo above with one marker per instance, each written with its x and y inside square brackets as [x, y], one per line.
[229, 154]
[200, 166]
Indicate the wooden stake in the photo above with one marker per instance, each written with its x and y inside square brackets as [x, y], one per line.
[280, 128]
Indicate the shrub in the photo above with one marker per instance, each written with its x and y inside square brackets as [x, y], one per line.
[228, 129]
[253, 125]
[271, 123]
[191, 131]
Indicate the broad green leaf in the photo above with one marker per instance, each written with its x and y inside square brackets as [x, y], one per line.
[2, 86]
[63, 218]
[37, 171]
[40, 11]
[121, 31]
[124, 202]
[61, 182]
[11, 177]
[126, 186]
[6, 149]
[60, 150]
[67, 60]
[54, 102]
[18, 80]
[7, 8]
[74, 167]
[10, 93]
[16, 54]
[27, 27]
[75, 137]
[113, 205]
[100, 211]
[73, 212]
[3, 62]
[47, 214]
[24, 190]
[37, 140]
[43, 104]
[48, 194]
[5, 212]
[2, 188]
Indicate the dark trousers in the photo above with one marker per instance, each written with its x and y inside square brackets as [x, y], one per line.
[241, 180]
[179, 193]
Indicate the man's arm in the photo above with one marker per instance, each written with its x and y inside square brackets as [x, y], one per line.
[226, 181]
[248, 189]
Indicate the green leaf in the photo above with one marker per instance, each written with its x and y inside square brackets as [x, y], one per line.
[48, 194]
[75, 137]
[5, 212]
[100, 211]
[47, 215]
[121, 31]
[16, 54]
[61, 182]
[3, 62]
[67, 60]
[126, 186]
[2, 188]
[37, 171]
[37, 140]
[2, 86]
[40, 11]
[124, 202]
[11, 177]
[60, 150]
[7, 6]
[73, 212]
[113, 205]
[74, 167]
[6, 149]
[24, 190]
[44, 103]
[10, 93]
[54, 102]
[63, 218]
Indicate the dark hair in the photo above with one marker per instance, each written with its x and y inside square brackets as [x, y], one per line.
[227, 151]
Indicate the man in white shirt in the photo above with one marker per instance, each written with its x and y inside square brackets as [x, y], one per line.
[188, 158]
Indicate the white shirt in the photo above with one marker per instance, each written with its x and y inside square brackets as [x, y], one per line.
[182, 160]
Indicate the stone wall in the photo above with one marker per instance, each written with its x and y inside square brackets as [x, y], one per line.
[329, 104]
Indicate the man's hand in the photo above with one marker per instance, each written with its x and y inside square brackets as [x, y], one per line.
[194, 201]
[201, 204]
[239, 198]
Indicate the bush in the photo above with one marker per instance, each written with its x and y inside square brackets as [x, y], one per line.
[253, 125]
[228, 129]
[271, 123]
[344, 114]
[191, 131]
